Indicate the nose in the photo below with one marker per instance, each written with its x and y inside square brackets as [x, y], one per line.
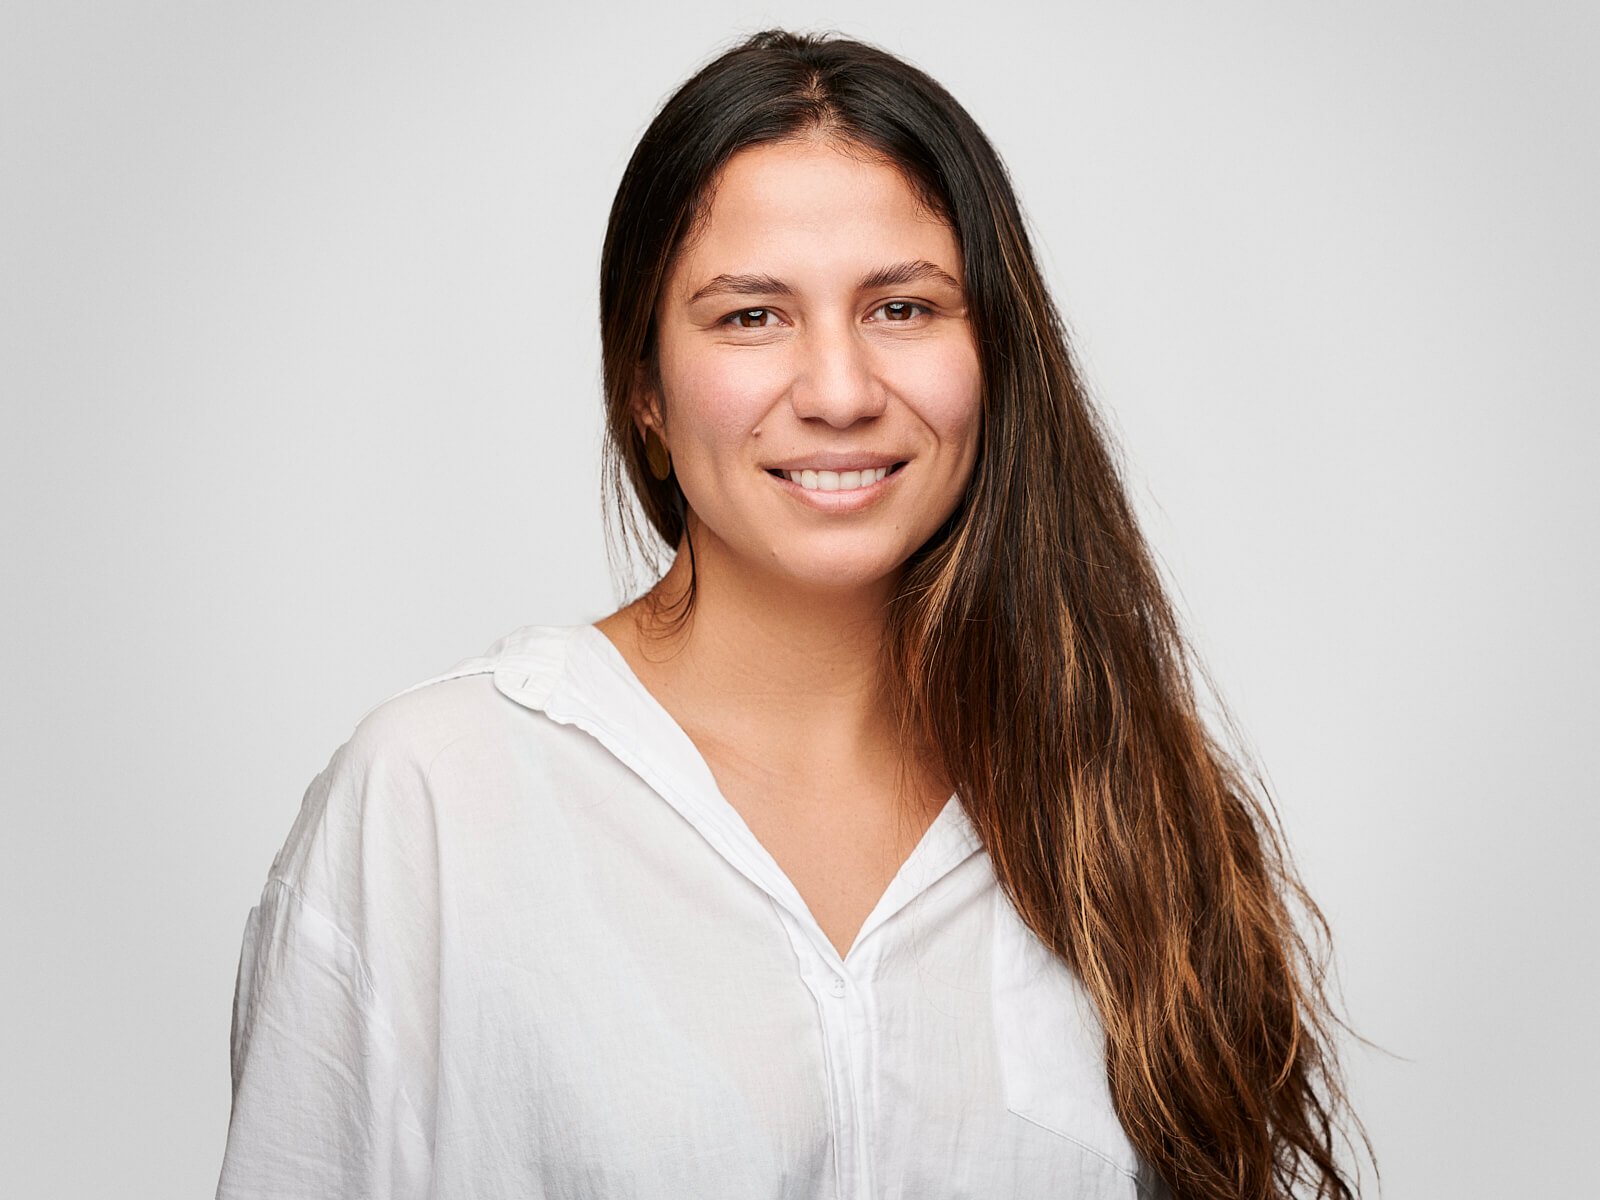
[837, 382]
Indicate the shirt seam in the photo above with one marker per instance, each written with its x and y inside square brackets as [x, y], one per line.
[1132, 1176]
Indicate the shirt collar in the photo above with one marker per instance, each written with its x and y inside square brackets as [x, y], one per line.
[574, 675]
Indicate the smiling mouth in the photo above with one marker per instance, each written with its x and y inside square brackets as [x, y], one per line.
[836, 481]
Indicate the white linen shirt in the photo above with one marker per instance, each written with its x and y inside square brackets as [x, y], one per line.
[517, 944]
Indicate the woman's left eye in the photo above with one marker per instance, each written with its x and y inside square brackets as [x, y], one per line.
[901, 310]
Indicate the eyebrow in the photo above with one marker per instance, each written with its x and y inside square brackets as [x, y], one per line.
[894, 275]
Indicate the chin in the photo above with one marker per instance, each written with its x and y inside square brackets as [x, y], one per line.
[840, 572]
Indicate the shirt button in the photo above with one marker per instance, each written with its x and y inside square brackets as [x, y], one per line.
[836, 986]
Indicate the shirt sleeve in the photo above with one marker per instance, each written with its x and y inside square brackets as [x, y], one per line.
[320, 1108]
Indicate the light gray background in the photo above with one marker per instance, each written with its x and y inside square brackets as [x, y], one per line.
[300, 370]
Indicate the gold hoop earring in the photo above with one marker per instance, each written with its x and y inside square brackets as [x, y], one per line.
[657, 454]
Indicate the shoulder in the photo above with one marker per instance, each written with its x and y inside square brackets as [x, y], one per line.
[404, 732]
[420, 719]
[375, 792]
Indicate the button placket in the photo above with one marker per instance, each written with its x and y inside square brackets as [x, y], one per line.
[857, 1009]
[847, 1007]
[833, 1008]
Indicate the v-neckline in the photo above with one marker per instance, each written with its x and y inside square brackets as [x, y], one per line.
[621, 709]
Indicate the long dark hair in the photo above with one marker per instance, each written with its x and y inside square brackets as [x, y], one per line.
[1125, 835]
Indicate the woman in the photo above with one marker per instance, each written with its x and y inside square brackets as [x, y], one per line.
[878, 849]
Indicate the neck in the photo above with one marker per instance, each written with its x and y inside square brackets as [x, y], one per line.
[761, 661]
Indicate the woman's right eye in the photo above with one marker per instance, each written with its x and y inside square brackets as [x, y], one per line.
[750, 318]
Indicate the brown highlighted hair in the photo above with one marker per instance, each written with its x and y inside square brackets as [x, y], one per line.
[1038, 650]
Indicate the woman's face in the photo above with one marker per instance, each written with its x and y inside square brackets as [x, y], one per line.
[820, 383]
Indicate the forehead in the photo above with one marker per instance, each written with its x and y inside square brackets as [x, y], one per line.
[811, 203]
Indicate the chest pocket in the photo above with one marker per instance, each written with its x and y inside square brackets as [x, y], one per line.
[1051, 1055]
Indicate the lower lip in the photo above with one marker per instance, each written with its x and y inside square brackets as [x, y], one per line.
[851, 501]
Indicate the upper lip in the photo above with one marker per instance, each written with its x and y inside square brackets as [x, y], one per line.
[837, 460]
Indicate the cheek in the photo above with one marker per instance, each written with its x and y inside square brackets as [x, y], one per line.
[946, 390]
[717, 400]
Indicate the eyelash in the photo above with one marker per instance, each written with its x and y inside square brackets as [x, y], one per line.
[732, 318]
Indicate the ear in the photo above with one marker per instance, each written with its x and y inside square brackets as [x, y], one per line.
[645, 403]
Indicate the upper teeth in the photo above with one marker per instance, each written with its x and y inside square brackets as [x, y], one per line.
[837, 481]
